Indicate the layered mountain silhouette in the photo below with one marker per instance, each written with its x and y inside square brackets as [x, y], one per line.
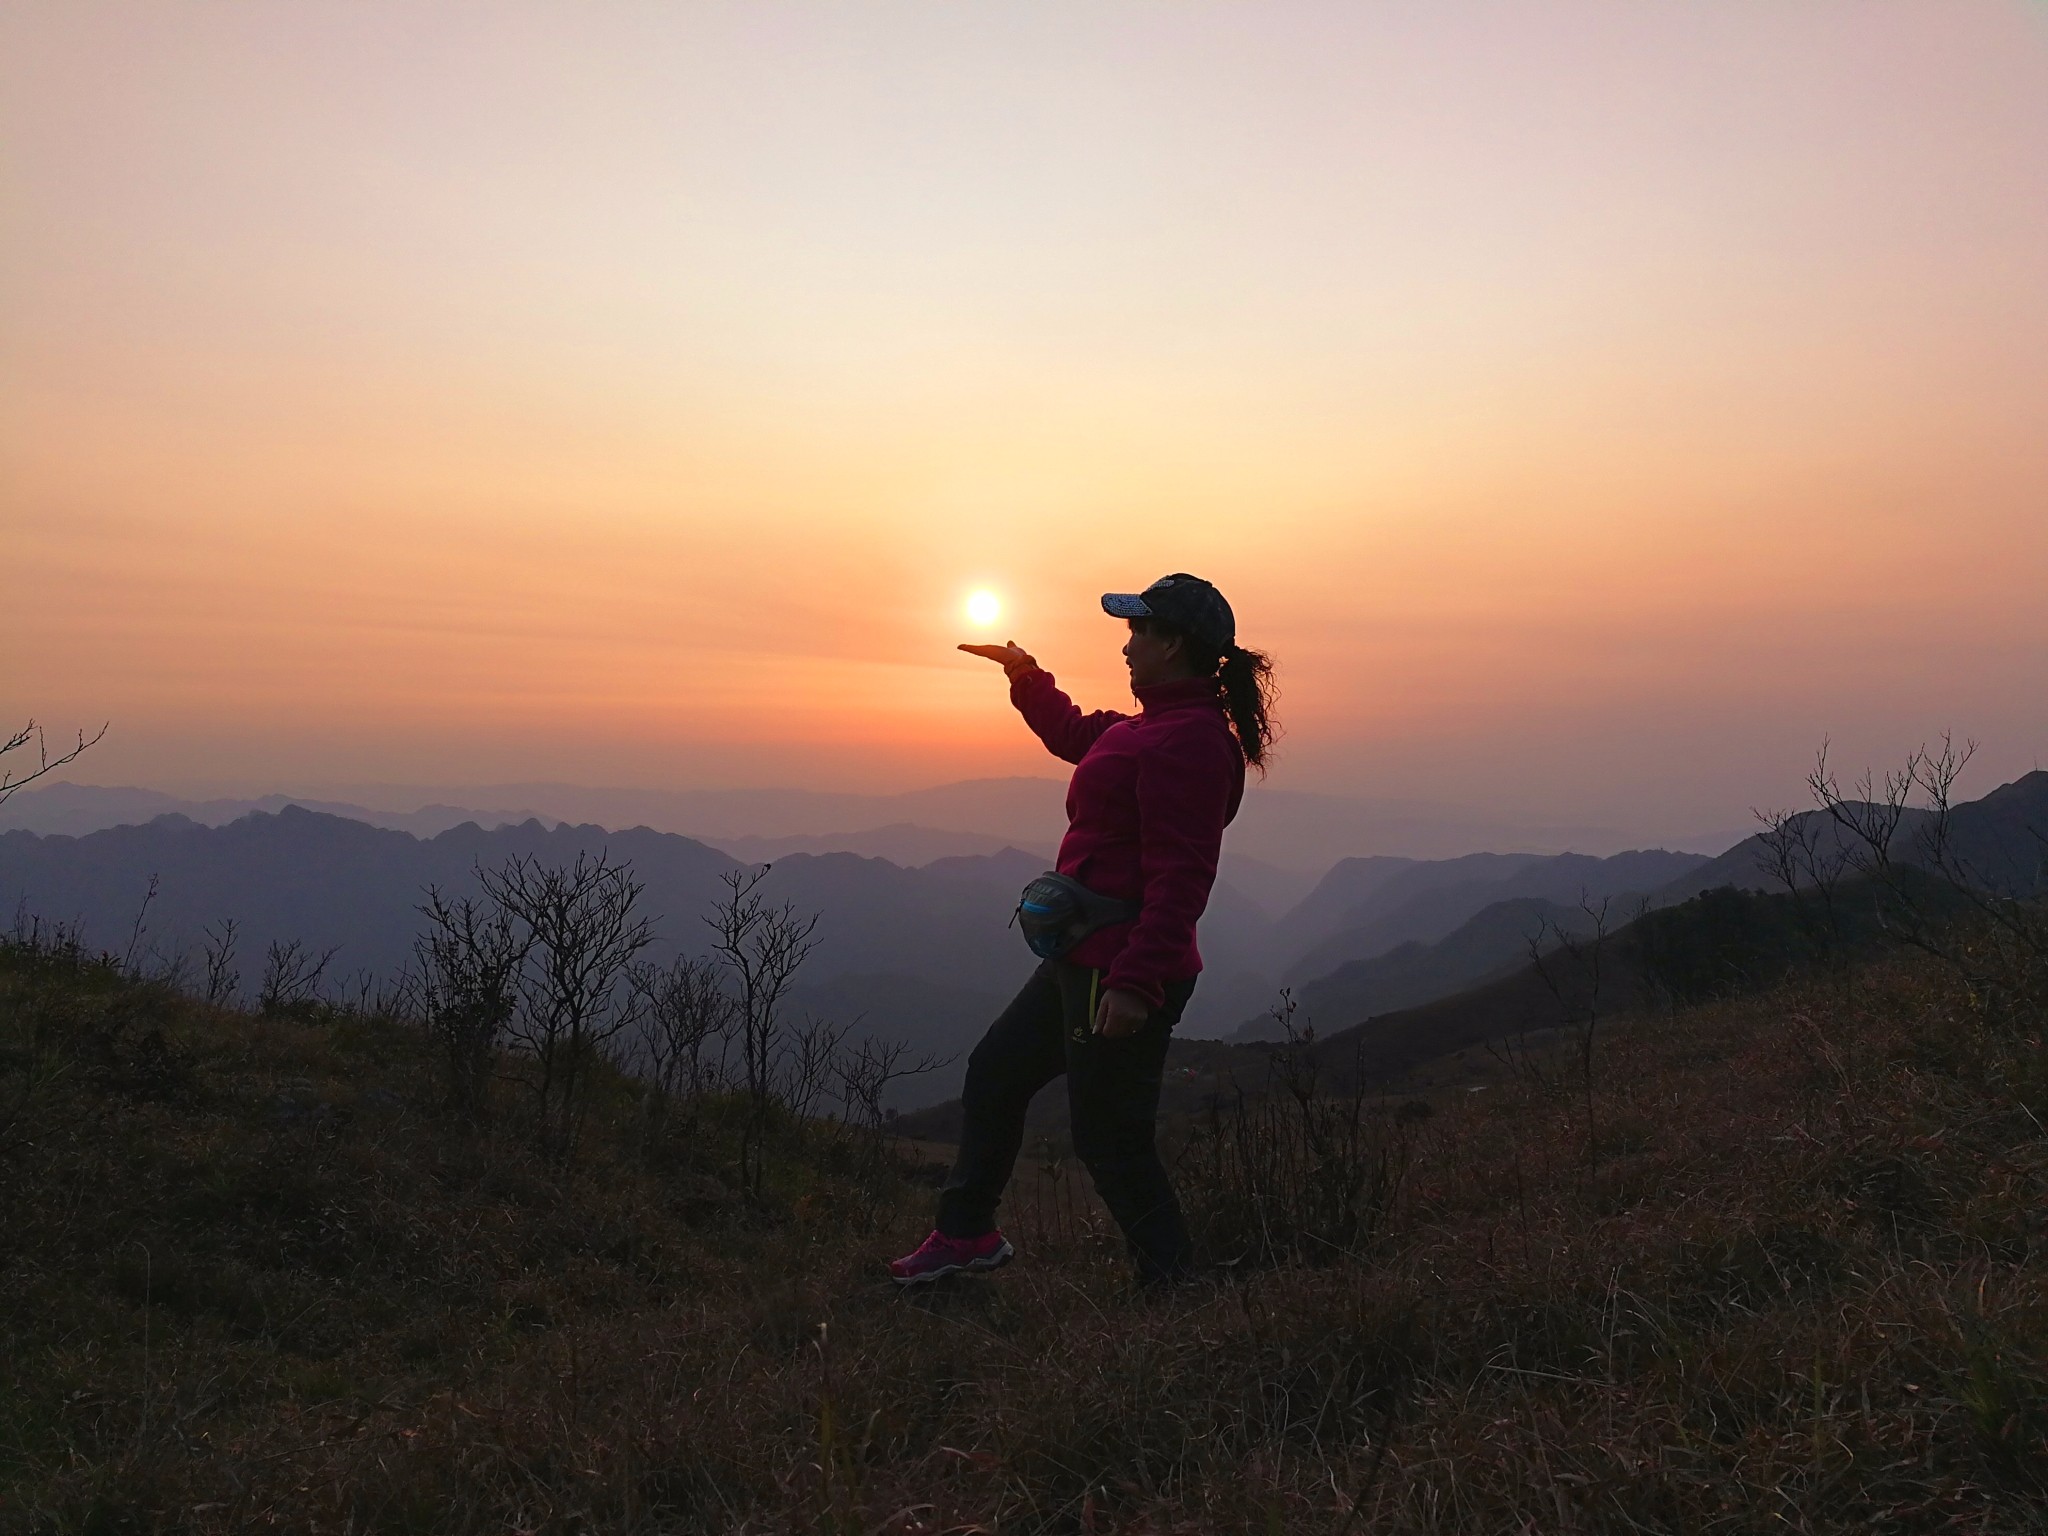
[923, 952]
[1998, 844]
[1494, 942]
[920, 953]
[1358, 913]
[1384, 933]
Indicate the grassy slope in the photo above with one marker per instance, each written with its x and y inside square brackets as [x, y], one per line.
[252, 1286]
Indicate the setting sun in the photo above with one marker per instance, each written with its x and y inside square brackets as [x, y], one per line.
[983, 608]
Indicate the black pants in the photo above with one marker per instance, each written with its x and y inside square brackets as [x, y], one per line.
[1113, 1103]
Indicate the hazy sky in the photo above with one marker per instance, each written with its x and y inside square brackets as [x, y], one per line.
[1591, 406]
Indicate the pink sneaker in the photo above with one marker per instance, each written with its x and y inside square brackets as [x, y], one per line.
[943, 1255]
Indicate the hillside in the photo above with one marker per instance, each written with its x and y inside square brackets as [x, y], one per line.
[1781, 1259]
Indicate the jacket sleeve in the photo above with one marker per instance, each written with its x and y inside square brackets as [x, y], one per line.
[1054, 718]
[1184, 790]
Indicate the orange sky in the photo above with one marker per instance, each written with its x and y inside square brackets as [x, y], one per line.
[1592, 406]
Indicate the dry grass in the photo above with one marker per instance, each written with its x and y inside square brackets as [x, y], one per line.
[252, 1286]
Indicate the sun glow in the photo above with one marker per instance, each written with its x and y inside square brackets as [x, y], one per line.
[983, 608]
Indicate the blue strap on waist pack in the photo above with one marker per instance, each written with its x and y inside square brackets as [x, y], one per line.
[1056, 912]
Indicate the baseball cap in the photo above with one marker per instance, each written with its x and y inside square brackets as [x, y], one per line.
[1186, 602]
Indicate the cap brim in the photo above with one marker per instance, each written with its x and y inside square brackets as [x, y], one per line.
[1125, 605]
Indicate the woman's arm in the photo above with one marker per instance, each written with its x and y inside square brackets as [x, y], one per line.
[1057, 721]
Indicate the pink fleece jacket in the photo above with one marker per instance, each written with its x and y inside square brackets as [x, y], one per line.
[1150, 797]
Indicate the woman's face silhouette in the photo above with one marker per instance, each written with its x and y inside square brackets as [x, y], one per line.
[1154, 656]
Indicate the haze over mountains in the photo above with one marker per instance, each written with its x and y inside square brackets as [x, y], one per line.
[919, 949]
[915, 945]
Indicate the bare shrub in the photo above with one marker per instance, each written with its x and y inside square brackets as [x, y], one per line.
[1978, 911]
[809, 1066]
[465, 988]
[864, 1074]
[581, 927]
[761, 947]
[685, 1023]
[1290, 1173]
[218, 960]
[132, 953]
[291, 979]
[1804, 852]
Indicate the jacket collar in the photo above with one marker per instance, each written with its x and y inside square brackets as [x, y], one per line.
[1180, 693]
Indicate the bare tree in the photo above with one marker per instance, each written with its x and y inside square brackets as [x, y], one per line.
[684, 1012]
[865, 1074]
[1987, 924]
[1871, 814]
[585, 929]
[12, 779]
[761, 946]
[465, 987]
[1803, 851]
[809, 1066]
[291, 978]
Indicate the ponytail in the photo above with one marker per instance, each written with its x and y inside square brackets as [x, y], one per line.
[1244, 686]
[1245, 679]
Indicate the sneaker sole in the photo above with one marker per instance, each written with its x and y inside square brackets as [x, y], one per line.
[996, 1260]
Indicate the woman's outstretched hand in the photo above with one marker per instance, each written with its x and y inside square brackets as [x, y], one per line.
[1012, 658]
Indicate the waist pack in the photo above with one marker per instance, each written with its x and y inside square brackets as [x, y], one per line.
[1056, 912]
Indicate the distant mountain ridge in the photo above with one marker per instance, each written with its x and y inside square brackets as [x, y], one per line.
[901, 842]
[921, 953]
[1493, 942]
[77, 809]
[2000, 840]
[1293, 830]
[1362, 910]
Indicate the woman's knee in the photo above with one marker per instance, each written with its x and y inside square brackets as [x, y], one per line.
[993, 1077]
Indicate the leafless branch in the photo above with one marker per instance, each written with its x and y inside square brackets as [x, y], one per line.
[584, 927]
[10, 781]
[761, 946]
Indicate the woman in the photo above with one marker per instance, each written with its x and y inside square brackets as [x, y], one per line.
[1150, 796]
